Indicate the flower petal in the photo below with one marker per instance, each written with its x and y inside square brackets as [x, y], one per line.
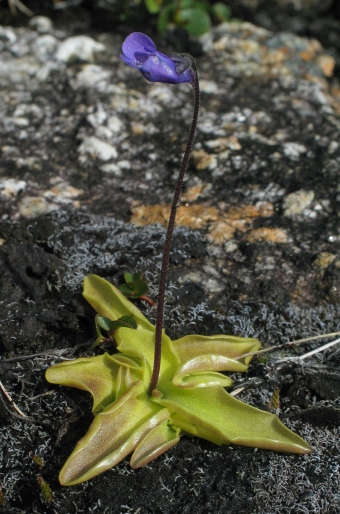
[161, 68]
[137, 42]
[139, 51]
[127, 61]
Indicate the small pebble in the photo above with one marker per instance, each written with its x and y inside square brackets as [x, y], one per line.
[323, 260]
[41, 24]
[32, 206]
[295, 203]
[79, 48]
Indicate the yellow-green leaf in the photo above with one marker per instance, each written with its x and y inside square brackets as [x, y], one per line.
[202, 379]
[214, 353]
[94, 374]
[141, 343]
[231, 420]
[108, 301]
[113, 434]
[160, 439]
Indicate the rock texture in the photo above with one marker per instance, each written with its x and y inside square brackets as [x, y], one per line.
[89, 157]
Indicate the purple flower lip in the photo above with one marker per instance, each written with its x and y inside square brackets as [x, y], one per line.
[139, 51]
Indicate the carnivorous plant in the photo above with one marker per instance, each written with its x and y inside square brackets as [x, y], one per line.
[152, 391]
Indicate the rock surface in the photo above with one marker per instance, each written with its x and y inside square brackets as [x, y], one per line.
[87, 146]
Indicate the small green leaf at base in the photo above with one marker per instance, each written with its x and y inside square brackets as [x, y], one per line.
[221, 12]
[153, 6]
[111, 326]
[195, 21]
[135, 286]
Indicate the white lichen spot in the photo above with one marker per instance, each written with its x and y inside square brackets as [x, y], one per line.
[97, 149]
[116, 168]
[230, 246]
[293, 150]
[208, 86]
[192, 276]
[92, 76]
[333, 146]
[10, 187]
[115, 124]
[112, 169]
[98, 117]
[124, 164]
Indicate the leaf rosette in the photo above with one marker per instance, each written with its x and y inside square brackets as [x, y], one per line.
[190, 397]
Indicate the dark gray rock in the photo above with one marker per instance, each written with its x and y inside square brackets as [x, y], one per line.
[86, 144]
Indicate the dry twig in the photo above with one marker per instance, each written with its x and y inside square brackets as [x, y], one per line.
[8, 396]
[17, 4]
[293, 344]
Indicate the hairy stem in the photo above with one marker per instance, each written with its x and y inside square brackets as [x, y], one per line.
[169, 234]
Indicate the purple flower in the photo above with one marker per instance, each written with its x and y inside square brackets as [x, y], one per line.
[139, 51]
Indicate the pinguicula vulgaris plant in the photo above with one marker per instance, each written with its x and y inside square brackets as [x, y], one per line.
[153, 390]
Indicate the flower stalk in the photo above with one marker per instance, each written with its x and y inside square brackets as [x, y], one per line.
[170, 230]
[140, 52]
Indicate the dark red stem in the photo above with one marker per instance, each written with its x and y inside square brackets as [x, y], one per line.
[169, 234]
